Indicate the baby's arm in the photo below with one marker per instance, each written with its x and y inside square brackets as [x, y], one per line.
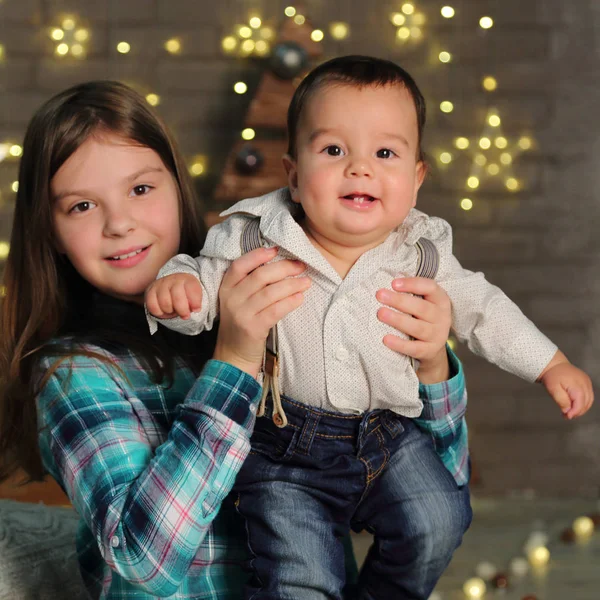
[569, 387]
[176, 295]
[494, 327]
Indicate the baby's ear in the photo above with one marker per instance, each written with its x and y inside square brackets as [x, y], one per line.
[291, 170]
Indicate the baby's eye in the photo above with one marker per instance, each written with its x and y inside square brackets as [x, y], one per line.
[334, 150]
[140, 190]
[385, 153]
[82, 207]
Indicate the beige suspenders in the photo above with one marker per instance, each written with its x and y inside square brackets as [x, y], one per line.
[428, 266]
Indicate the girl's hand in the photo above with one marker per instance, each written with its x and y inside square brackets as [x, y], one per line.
[427, 320]
[251, 301]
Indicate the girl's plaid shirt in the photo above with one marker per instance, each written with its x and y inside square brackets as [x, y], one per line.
[148, 466]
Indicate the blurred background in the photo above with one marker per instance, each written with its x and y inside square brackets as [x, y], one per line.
[513, 141]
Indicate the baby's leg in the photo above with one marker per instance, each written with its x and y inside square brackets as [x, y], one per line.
[296, 491]
[417, 514]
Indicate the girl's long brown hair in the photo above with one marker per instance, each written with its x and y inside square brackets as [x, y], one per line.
[42, 289]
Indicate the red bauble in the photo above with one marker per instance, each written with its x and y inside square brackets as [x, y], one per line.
[567, 536]
[500, 581]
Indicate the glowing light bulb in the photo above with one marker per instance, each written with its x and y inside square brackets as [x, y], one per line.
[408, 9]
[539, 556]
[447, 12]
[14, 186]
[289, 11]
[445, 57]
[62, 49]
[123, 47]
[480, 159]
[261, 47]
[82, 35]
[446, 106]
[248, 134]
[466, 204]
[4, 250]
[489, 83]
[501, 142]
[403, 33]
[525, 143]
[493, 169]
[240, 87]
[245, 32]
[57, 34]
[68, 24]
[486, 22]
[473, 182]
[398, 19]
[339, 30]
[474, 588]
[197, 168]
[494, 120]
[583, 527]
[153, 99]
[77, 50]
[485, 143]
[255, 22]
[505, 158]
[229, 43]
[445, 158]
[247, 46]
[267, 33]
[15, 150]
[317, 35]
[299, 19]
[513, 185]
[462, 143]
[173, 46]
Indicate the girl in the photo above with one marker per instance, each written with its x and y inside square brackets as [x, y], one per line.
[144, 434]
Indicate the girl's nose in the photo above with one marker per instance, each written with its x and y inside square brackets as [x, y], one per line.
[119, 221]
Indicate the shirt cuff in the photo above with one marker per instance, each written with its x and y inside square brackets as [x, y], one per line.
[454, 385]
[224, 388]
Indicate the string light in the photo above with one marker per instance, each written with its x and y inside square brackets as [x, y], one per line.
[14, 186]
[4, 250]
[447, 12]
[512, 184]
[493, 169]
[77, 50]
[173, 46]
[583, 527]
[289, 11]
[255, 22]
[480, 159]
[446, 158]
[229, 43]
[1, 52]
[82, 35]
[261, 48]
[267, 33]
[408, 9]
[317, 35]
[489, 83]
[299, 19]
[485, 143]
[445, 57]
[416, 33]
[501, 142]
[153, 99]
[473, 182]
[486, 22]
[15, 150]
[247, 46]
[461, 143]
[403, 33]
[68, 24]
[494, 120]
[198, 167]
[539, 556]
[248, 134]
[123, 47]
[244, 32]
[446, 106]
[525, 143]
[57, 34]
[474, 588]
[505, 158]
[240, 87]
[397, 19]
[339, 30]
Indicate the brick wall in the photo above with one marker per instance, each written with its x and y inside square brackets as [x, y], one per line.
[540, 244]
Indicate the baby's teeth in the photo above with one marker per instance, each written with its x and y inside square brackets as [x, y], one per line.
[359, 199]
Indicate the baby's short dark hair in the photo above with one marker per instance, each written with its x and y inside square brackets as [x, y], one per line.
[355, 71]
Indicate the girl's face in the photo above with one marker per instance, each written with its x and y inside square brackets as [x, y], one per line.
[116, 214]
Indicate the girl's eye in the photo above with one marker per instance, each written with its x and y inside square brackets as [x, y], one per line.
[334, 150]
[140, 190]
[82, 207]
[385, 153]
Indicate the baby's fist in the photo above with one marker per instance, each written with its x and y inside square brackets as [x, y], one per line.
[569, 387]
[176, 295]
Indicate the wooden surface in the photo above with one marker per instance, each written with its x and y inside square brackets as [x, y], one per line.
[47, 492]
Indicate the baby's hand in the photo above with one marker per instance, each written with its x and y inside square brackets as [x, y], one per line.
[176, 295]
[569, 386]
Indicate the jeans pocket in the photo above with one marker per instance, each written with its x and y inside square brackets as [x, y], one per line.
[274, 442]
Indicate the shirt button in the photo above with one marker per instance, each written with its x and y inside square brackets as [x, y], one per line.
[115, 542]
[342, 354]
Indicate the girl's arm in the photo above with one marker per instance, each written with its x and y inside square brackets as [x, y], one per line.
[150, 507]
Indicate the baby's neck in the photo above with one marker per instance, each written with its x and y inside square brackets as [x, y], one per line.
[341, 257]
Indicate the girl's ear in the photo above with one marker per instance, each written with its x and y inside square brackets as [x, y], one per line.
[291, 170]
[420, 174]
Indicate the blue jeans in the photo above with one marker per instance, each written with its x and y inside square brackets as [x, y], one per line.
[305, 485]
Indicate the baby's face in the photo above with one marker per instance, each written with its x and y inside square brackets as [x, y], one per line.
[356, 174]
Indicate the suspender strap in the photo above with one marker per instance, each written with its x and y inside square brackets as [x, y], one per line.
[427, 266]
[250, 240]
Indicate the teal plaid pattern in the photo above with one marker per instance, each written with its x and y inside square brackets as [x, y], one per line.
[147, 467]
